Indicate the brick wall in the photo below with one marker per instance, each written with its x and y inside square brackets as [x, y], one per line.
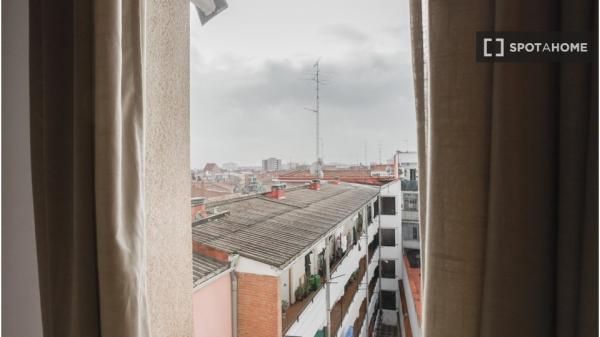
[210, 251]
[259, 306]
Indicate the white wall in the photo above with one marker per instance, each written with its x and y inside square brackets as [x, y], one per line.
[21, 313]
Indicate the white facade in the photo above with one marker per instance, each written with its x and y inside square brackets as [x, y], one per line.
[314, 316]
[390, 265]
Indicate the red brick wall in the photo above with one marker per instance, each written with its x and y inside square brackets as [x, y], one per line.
[198, 209]
[210, 251]
[259, 306]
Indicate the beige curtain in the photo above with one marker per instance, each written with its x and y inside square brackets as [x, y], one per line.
[87, 105]
[509, 174]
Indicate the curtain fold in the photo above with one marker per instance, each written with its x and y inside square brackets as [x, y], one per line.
[508, 174]
[87, 79]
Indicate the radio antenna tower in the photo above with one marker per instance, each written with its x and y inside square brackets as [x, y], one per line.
[318, 81]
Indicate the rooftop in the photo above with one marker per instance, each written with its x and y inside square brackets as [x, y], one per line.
[275, 232]
[206, 267]
[359, 176]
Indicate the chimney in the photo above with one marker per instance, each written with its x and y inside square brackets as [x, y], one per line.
[315, 184]
[396, 166]
[198, 208]
[278, 191]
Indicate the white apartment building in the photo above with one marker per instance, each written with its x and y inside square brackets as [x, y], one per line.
[308, 260]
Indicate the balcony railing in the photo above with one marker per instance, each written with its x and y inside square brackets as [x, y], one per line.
[362, 312]
[292, 314]
[303, 310]
[339, 310]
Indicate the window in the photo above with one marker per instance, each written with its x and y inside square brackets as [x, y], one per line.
[413, 174]
[388, 268]
[388, 237]
[388, 300]
[388, 205]
[376, 207]
[411, 201]
[410, 231]
[369, 215]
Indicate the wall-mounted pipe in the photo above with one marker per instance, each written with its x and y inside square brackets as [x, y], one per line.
[234, 299]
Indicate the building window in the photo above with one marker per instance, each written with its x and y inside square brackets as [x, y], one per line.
[388, 300]
[388, 268]
[388, 237]
[411, 201]
[413, 174]
[410, 231]
[369, 215]
[388, 205]
[376, 207]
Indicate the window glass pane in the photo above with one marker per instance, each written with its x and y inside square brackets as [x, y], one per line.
[388, 300]
[388, 205]
[376, 207]
[388, 237]
[388, 268]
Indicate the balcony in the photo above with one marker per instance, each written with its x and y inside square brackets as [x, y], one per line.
[292, 314]
[340, 308]
[306, 317]
[362, 312]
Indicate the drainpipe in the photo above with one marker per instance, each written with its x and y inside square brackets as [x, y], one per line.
[379, 263]
[234, 292]
[366, 229]
[327, 290]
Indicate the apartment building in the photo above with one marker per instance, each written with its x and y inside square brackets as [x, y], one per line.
[271, 164]
[388, 211]
[410, 285]
[282, 248]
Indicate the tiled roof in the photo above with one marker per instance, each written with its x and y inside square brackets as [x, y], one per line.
[276, 231]
[205, 267]
[211, 167]
[211, 189]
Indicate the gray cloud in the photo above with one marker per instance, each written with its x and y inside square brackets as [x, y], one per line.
[346, 32]
[247, 105]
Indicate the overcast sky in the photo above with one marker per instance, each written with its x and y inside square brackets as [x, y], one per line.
[249, 87]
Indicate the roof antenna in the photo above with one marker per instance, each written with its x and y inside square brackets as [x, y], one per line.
[315, 78]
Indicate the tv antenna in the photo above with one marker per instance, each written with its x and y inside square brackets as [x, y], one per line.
[318, 82]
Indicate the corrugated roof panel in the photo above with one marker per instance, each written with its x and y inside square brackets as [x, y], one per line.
[276, 231]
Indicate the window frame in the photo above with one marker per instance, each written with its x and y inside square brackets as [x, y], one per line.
[387, 198]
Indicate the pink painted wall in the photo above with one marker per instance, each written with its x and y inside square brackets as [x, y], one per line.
[212, 309]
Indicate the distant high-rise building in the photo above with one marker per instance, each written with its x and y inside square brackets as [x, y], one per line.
[271, 164]
[230, 166]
